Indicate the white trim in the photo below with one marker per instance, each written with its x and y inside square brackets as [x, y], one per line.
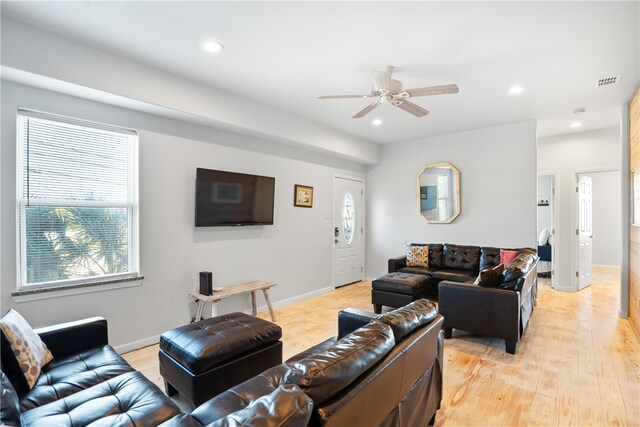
[74, 291]
[138, 344]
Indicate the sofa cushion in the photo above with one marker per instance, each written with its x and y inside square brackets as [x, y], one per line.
[323, 375]
[9, 404]
[489, 257]
[506, 256]
[405, 320]
[400, 283]
[415, 270]
[454, 275]
[460, 257]
[201, 345]
[490, 277]
[520, 265]
[417, 256]
[126, 400]
[30, 352]
[68, 375]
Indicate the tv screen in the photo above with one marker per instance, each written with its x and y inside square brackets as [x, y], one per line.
[229, 198]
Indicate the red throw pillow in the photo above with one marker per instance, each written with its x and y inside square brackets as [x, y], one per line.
[507, 256]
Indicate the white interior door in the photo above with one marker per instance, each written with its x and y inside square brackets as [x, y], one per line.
[348, 231]
[585, 231]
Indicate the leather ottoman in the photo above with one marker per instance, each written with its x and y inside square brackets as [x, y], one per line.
[397, 290]
[202, 359]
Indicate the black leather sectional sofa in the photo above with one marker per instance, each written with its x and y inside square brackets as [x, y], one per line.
[502, 311]
[383, 371]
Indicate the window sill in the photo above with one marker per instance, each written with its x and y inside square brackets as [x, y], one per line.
[80, 288]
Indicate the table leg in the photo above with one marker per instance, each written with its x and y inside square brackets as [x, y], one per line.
[266, 297]
[199, 311]
[254, 308]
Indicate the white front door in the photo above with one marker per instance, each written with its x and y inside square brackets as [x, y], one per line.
[585, 231]
[348, 231]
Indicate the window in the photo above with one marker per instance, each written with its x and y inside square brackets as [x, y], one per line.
[348, 218]
[77, 201]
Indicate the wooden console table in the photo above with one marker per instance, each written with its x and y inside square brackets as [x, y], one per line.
[245, 288]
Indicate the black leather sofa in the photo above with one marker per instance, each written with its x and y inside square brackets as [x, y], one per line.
[383, 371]
[88, 383]
[502, 311]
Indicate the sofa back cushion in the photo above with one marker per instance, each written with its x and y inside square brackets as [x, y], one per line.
[407, 319]
[9, 404]
[490, 256]
[325, 374]
[460, 257]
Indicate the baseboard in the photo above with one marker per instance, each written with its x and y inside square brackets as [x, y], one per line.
[288, 301]
[145, 342]
[135, 345]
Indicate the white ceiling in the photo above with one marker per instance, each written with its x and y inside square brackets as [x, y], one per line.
[286, 54]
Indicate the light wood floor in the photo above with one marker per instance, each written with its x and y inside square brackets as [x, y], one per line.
[578, 364]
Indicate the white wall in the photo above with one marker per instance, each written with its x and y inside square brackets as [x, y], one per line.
[545, 213]
[607, 211]
[498, 192]
[568, 154]
[295, 253]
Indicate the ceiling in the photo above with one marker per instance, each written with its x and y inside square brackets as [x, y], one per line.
[286, 54]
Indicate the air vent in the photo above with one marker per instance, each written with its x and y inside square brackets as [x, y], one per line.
[608, 81]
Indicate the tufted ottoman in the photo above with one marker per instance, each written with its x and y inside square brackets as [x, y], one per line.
[205, 358]
[397, 290]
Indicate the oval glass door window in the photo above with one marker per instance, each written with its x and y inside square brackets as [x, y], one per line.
[348, 218]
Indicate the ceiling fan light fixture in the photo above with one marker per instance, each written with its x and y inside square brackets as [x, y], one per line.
[575, 125]
[211, 46]
[516, 90]
[376, 122]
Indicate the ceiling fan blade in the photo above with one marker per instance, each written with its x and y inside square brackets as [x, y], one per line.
[344, 96]
[366, 110]
[382, 78]
[412, 108]
[431, 90]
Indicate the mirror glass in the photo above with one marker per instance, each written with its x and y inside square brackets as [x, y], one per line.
[439, 193]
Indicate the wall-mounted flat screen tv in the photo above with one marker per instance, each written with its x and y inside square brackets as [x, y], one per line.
[232, 199]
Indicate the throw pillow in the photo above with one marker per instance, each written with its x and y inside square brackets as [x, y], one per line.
[32, 354]
[490, 277]
[544, 236]
[417, 256]
[507, 256]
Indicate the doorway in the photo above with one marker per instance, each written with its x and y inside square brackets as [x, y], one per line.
[598, 227]
[547, 226]
[348, 230]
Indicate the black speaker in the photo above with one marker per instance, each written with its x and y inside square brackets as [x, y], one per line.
[206, 283]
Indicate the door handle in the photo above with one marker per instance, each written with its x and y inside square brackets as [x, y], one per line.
[336, 232]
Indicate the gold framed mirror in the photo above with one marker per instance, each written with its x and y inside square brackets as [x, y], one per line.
[439, 193]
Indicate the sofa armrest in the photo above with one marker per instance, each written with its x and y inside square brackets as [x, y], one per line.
[351, 319]
[487, 311]
[240, 396]
[70, 338]
[397, 263]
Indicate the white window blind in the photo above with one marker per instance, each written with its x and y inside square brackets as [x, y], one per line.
[77, 201]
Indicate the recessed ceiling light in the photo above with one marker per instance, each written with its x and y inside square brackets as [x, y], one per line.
[575, 125]
[212, 46]
[514, 90]
[376, 122]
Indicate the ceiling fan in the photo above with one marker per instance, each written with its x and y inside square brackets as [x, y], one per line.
[389, 91]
